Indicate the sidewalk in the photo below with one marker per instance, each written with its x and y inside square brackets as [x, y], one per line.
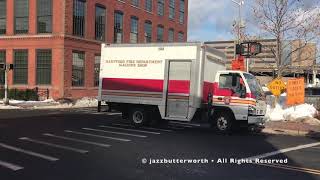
[292, 128]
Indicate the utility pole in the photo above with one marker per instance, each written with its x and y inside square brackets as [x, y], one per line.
[6, 99]
[6, 68]
[240, 4]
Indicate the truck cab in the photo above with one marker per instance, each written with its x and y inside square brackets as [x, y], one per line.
[237, 99]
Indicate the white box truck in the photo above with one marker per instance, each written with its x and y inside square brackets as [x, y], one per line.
[178, 82]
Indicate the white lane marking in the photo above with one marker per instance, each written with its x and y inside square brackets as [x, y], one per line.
[114, 114]
[112, 132]
[148, 128]
[94, 135]
[77, 140]
[49, 158]
[185, 124]
[133, 130]
[315, 147]
[10, 166]
[261, 156]
[97, 113]
[54, 145]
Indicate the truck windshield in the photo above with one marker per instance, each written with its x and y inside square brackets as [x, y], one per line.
[254, 85]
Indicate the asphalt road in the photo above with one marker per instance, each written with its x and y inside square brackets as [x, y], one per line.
[84, 145]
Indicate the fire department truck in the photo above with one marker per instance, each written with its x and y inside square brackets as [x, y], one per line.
[186, 82]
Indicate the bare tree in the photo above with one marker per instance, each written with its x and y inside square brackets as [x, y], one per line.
[287, 20]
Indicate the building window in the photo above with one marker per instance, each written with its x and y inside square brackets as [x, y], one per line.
[3, 16]
[148, 5]
[160, 33]
[44, 67]
[180, 37]
[171, 9]
[21, 16]
[20, 70]
[100, 23]
[160, 7]
[134, 30]
[181, 11]
[2, 60]
[171, 35]
[148, 31]
[79, 10]
[96, 69]
[78, 68]
[44, 13]
[135, 3]
[118, 27]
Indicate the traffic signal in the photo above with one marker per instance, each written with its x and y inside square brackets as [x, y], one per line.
[248, 49]
[2, 66]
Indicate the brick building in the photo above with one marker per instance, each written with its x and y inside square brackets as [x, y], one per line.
[55, 44]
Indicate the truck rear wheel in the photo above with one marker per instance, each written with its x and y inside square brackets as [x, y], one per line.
[139, 117]
[223, 122]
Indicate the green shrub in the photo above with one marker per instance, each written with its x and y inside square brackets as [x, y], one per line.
[17, 94]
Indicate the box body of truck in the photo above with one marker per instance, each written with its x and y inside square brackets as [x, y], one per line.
[176, 80]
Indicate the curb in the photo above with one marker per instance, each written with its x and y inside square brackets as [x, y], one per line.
[311, 134]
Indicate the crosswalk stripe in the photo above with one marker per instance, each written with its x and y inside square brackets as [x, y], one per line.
[49, 158]
[54, 145]
[133, 130]
[10, 166]
[113, 132]
[148, 128]
[99, 136]
[77, 140]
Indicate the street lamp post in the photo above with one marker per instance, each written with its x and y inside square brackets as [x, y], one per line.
[240, 3]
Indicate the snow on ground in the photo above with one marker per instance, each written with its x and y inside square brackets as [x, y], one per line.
[84, 102]
[50, 104]
[283, 113]
[2, 106]
[18, 102]
[280, 113]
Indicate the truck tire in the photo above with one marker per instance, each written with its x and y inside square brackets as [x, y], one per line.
[223, 122]
[139, 116]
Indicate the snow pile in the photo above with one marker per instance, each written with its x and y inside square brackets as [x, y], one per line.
[84, 102]
[279, 113]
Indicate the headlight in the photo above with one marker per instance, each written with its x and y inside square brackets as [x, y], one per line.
[252, 110]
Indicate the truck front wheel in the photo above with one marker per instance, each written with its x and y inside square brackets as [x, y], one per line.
[223, 122]
[139, 117]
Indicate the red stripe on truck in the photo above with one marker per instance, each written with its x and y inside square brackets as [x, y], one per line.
[145, 85]
[179, 86]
